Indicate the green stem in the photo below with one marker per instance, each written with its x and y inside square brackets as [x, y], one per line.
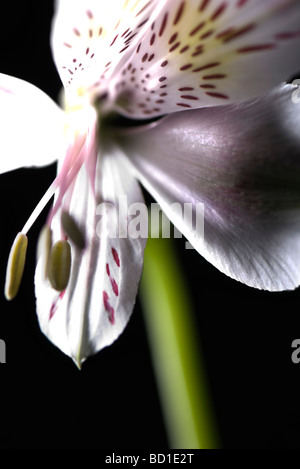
[175, 350]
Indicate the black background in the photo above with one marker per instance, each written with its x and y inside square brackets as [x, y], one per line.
[112, 403]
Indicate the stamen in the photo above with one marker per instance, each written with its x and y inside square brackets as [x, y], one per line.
[72, 230]
[60, 265]
[15, 266]
[39, 208]
[44, 248]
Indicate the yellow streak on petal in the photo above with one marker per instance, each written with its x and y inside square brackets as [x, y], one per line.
[60, 265]
[15, 266]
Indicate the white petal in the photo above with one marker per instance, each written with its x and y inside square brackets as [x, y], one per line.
[31, 125]
[243, 163]
[90, 38]
[98, 301]
[203, 53]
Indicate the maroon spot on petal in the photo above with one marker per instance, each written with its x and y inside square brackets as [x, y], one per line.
[217, 76]
[129, 39]
[204, 67]
[173, 37]
[216, 95]
[122, 50]
[188, 96]
[185, 67]
[184, 49]
[76, 32]
[183, 105]
[163, 24]
[112, 281]
[256, 48]
[179, 13]
[144, 58]
[198, 52]
[110, 310]
[207, 34]
[186, 88]
[203, 5]
[152, 39]
[225, 32]
[129, 36]
[207, 86]
[113, 41]
[125, 32]
[197, 28]
[162, 79]
[115, 256]
[142, 23]
[114, 286]
[164, 63]
[238, 33]
[89, 14]
[174, 47]
[219, 11]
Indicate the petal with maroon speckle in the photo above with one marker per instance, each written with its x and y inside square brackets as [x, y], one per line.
[90, 38]
[98, 301]
[222, 51]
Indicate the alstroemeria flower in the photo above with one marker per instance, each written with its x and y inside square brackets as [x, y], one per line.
[238, 154]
